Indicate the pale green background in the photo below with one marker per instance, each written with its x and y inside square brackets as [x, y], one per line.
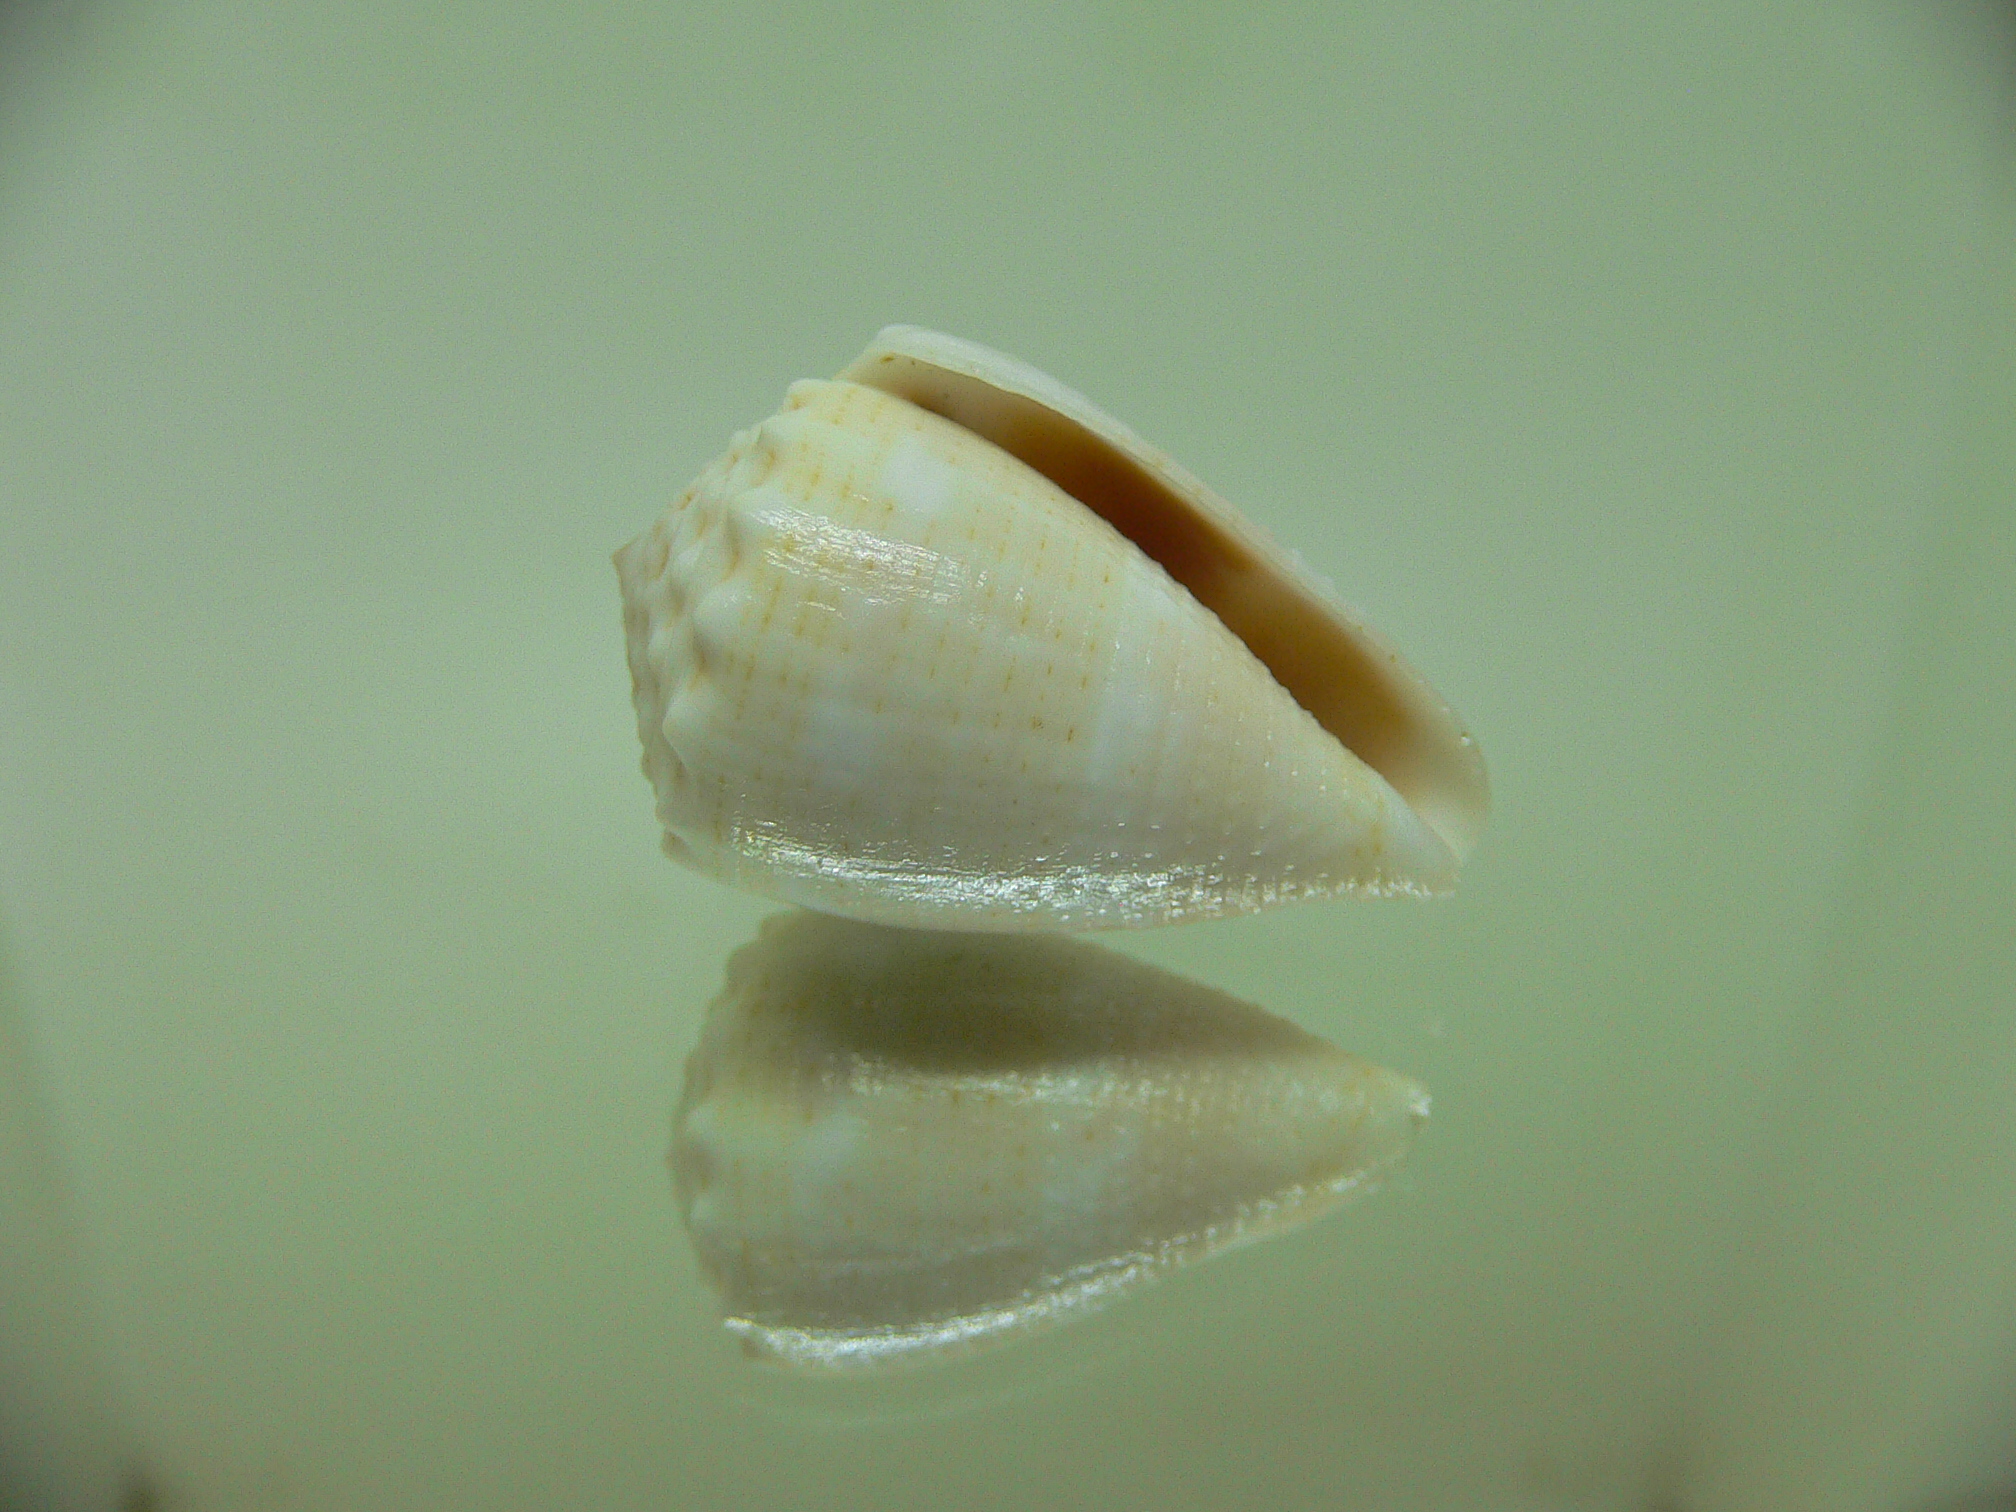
[1644, 371]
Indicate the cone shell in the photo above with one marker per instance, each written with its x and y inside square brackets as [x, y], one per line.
[940, 645]
[895, 1145]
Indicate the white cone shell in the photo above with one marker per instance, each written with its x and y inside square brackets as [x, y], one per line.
[886, 670]
[894, 1145]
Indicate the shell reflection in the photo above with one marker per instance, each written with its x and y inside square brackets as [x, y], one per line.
[894, 1144]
